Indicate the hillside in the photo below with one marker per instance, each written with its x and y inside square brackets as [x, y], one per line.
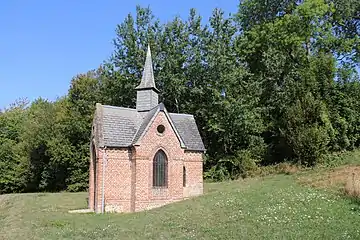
[274, 207]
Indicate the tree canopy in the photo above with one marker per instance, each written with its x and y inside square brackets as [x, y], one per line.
[275, 81]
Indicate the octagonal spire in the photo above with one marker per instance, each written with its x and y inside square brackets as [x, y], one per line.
[147, 80]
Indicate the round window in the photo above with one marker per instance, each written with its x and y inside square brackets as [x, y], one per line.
[161, 129]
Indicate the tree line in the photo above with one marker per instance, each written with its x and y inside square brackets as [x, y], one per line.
[275, 81]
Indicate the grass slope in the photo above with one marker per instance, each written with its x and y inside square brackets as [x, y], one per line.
[274, 207]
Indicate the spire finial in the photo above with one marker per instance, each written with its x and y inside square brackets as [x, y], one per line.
[147, 80]
[148, 51]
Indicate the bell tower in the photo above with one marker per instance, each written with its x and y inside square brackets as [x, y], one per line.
[147, 93]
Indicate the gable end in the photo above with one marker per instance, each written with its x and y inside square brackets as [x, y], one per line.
[149, 119]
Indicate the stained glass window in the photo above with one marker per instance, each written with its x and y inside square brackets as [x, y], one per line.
[160, 169]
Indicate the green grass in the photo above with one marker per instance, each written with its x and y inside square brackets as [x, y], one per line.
[273, 207]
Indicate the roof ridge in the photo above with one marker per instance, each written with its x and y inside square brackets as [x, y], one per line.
[184, 114]
[116, 107]
[154, 107]
[143, 125]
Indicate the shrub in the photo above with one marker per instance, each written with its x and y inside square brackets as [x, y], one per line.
[309, 144]
[242, 164]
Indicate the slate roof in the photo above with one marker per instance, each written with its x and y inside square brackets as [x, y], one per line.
[123, 127]
[147, 80]
[119, 125]
[187, 128]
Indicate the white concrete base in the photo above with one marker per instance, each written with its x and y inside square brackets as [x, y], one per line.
[81, 211]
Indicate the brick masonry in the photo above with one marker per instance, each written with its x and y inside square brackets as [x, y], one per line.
[128, 172]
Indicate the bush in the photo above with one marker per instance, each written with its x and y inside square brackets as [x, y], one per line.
[242, 164]
[309, 144]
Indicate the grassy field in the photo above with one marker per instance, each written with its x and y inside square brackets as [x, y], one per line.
[295, 206]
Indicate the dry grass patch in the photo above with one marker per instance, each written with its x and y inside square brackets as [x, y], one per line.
[281, 168]
[346, 178]
[352, 185]
[288, 168]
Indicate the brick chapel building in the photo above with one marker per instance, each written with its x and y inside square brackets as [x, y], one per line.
[145, 157]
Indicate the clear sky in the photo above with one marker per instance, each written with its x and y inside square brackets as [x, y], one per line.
[43, 43]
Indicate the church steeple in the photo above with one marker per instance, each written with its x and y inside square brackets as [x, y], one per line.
[147, 80]
[147, 93]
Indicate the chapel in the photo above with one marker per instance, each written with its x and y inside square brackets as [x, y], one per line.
[145, 157]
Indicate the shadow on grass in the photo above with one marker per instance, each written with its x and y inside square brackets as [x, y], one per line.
[355, 201]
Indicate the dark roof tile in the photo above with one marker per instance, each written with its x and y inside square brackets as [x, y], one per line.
[187, 128]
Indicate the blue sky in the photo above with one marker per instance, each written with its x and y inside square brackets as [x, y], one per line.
[44, 43]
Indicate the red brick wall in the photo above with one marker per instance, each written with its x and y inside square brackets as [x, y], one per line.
[147, 196]
[93, 161]
[129, 173]
[95, 198]
[193, 163]
[118, 180]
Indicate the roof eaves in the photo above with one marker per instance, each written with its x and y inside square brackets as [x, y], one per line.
[100, 124]
[196, 150]
[182, 143]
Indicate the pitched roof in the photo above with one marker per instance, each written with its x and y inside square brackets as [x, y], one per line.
[145, 122]
[147, 80]
[119, 125]
[124, 127]
[187, 128]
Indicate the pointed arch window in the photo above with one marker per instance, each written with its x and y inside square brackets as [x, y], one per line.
[160, 169]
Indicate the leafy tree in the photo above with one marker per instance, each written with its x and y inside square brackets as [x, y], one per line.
[277, 81]
[13, 168]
